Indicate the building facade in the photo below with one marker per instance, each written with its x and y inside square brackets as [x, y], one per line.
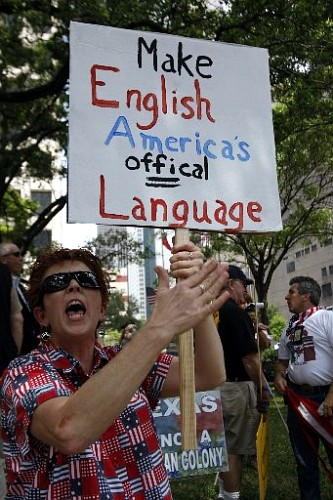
[315, 260]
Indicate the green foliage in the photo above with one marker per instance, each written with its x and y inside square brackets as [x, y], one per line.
[299, 38]
[34, 101]
[117, 248]
[110, 336]
[117, 313]
[14, 215]
[270, 355]
[276, 321]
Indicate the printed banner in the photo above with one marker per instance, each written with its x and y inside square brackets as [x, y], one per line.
[211, 453]
[168, 131]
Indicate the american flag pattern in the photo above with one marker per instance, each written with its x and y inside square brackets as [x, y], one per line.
[125, 463]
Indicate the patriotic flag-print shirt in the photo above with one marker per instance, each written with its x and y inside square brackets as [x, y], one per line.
[125, 463]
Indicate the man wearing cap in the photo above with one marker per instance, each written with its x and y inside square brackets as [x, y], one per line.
[245, 394]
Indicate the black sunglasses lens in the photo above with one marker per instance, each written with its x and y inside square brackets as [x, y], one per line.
[55, 282]
[86, 279]
[59, 281]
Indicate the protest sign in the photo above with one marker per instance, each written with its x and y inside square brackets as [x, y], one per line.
[210, 455]
[168, 131]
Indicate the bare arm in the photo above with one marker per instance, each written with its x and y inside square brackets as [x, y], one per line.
[16, 319]
[264, 340]
[280, 382]
[253, 369]
[71, 424]
[328, 403]
[209, 356]
[16, 322]
[209, 367]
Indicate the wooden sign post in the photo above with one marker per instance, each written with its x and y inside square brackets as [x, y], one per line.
[186, 375]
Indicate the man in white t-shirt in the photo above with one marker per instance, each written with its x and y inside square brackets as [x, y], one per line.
[305, 367]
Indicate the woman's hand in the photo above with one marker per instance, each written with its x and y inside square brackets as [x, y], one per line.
[193, 298]
[187, 259]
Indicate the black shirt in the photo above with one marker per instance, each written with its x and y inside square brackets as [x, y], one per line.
[237, 335]
[30, 340]
[8, 349]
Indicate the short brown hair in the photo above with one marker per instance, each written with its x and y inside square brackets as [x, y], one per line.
[52, 256]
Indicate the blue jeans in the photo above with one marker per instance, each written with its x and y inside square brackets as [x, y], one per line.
[305, 455]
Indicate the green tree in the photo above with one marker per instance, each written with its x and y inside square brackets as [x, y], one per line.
[117, 248]
[34, 90]
[299, 37]
[276, 321]
[298, 34]
[117, 313]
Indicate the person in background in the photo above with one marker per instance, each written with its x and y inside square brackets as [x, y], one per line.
[305, 365]
[261, 330]
[245, 394]
[11, 319]
[77, 417]
[128, 330]
[11, 255]
[11, 335]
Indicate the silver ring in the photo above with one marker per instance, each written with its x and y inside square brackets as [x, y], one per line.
[202, 288]
[190, 255]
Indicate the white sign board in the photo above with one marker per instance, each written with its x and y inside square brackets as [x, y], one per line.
[166, 131]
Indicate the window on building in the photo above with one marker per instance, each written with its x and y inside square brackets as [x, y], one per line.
[330, 269]
[306, 250]
[326, 290]
[298, 254]
[314, 248]
[43, 239]
[323, 272]
[43, 198]
[290, 267]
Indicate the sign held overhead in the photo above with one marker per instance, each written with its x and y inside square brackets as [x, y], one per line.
[172, 132]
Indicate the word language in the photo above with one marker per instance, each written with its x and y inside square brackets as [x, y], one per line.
[178, 214]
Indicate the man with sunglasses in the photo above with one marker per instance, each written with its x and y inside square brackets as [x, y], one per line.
[11, 255]
[77, 417]
[305, 367]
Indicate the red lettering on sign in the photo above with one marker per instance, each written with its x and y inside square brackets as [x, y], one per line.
[178, 215]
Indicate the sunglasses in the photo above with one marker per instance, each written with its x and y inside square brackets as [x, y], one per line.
[60, 281]
[16, 254]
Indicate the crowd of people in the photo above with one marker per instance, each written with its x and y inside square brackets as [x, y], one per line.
[76, 416]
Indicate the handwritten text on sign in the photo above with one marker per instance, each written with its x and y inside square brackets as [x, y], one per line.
[170, 132]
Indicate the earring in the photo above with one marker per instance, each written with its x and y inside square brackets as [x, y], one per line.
[45, 334]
